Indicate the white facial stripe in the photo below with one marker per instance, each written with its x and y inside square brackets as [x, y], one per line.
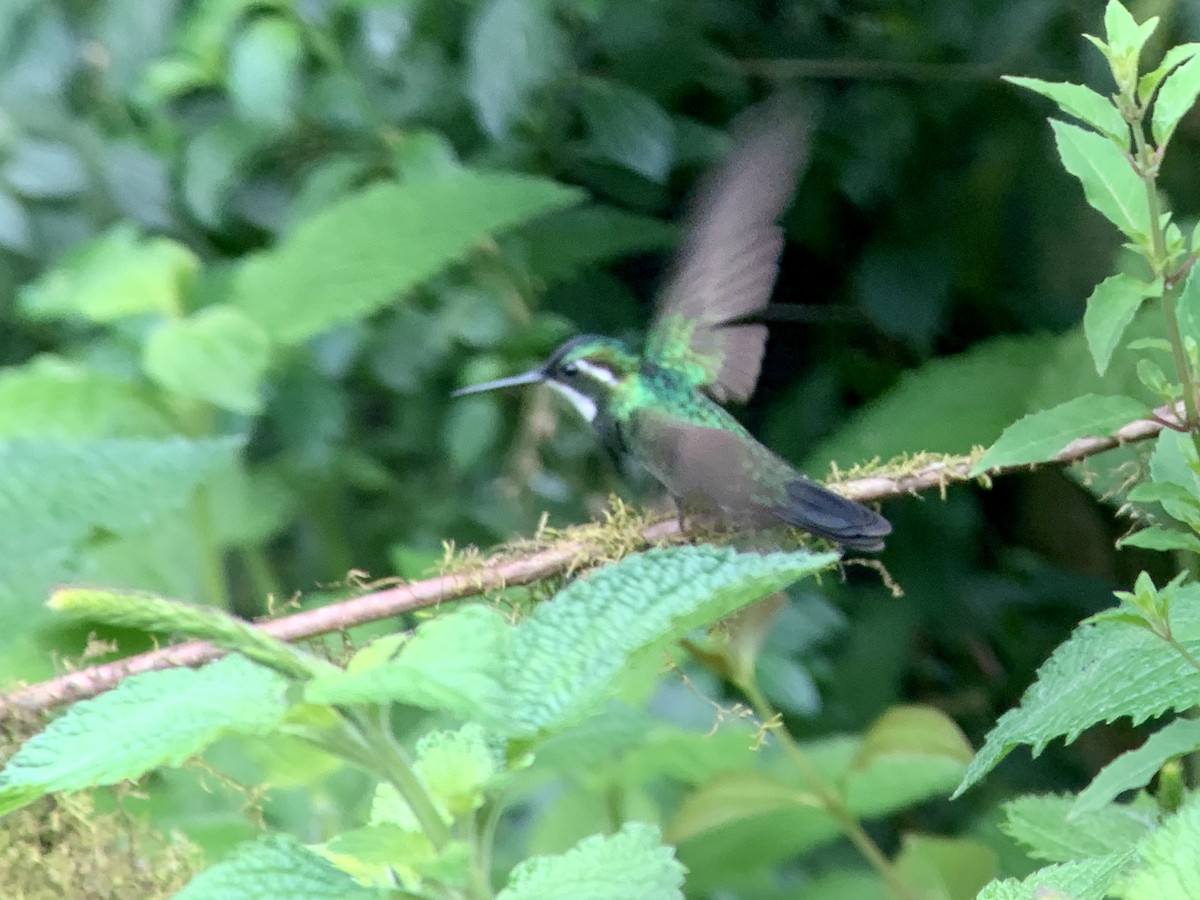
[586, 405]
[600, 373]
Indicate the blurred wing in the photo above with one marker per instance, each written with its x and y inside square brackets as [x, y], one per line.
[726, 268]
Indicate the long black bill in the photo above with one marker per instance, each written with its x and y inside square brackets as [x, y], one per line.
[533, 376]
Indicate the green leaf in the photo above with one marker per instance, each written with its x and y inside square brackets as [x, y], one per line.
[264, 75]
[44, 170]
[628, 128]
[432, 671]
[1134, 768]
[943, 868]
[1166, 868]
[1175, 482]
[631, 863]
[1047, 826]
[1149, 82]
[934, 407]
[49, 397]
[912, 731]
[1108, 179]
[1187, 306]
[562, 243]
[1081, 102]
[1041, 436]
[1125, 36]
[740, 820]
[149, 720]
[150, 613]
[568, 654]
[275, 866]
[1105, 670]
[514, 48]
[1110, 309]
[1158, 538]
[217, 355]
[1176, 96]
[116, 275]
[358, 255]
[458, 767]
[1088, 879]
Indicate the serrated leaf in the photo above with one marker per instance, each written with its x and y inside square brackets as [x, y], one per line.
[49, 397]
[263, 76]
[1110, 309]
[631, 863]
[514, 48]
[562, 243]
[116, 275]
[1109, 182]
[1041, 436]
[1158, 538]
[275, 865]
[1134, 768]
[358, 255]
[149, 613]
[1166, 868]
[569, 652]
[1088, 879]
[1104, 671]
[217, 355]
[1081, 102]
[1176, 96]
[1046, 825]
[431, 670]
[149, 720]
[628, 128]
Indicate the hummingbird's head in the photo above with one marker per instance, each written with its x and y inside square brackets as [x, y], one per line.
[585, 370]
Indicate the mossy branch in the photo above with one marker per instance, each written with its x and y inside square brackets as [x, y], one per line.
[533, 561]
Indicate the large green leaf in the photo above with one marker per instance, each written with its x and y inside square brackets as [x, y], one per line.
[631, 863]
[1087, 879]
[1047, 827]
[154, 719]
[363, 252]
[1105, 670]
[567, 655]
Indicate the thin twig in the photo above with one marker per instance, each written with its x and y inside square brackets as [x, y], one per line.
[493, 576]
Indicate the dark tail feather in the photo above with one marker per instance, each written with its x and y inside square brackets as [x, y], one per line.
[829, 515]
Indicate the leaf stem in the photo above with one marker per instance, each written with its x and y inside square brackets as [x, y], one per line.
[829, 797]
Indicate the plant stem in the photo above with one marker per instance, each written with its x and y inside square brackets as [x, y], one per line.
[1159, 262]
[830, 799]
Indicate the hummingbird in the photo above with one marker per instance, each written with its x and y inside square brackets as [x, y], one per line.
[664, 407]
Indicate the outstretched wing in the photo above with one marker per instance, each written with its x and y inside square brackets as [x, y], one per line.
[727, 264]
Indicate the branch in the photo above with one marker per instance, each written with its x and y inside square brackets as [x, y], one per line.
[494, 575]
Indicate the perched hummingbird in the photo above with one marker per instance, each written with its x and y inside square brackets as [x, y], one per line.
[662, 408]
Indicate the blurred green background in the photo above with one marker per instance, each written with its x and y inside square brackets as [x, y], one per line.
[168, 422]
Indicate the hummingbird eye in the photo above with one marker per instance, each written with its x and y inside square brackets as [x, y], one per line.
[570, 369]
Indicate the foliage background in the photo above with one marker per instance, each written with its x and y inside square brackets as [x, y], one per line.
[152, 154]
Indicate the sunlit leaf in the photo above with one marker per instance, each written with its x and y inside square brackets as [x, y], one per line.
[1110, 309]
[1134, 768]
[1108, 179]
